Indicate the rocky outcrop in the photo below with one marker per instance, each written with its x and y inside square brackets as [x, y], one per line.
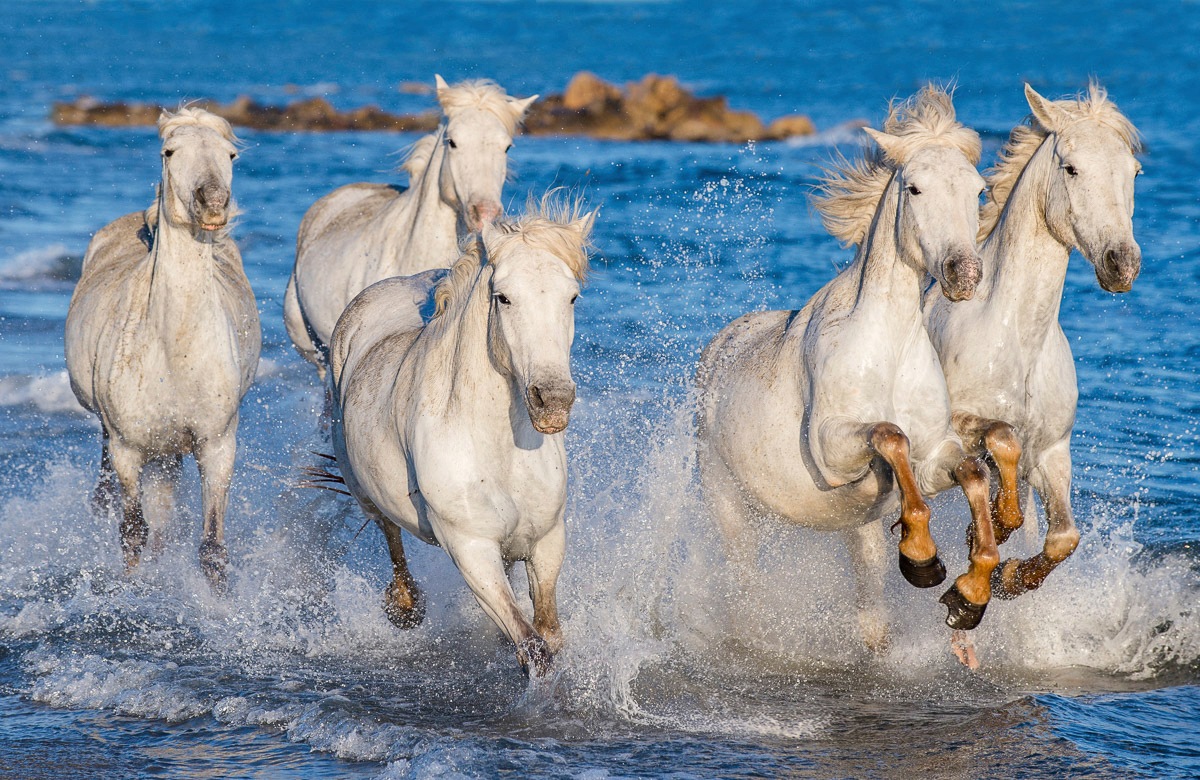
[655, 108]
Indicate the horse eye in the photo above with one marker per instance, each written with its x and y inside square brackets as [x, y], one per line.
[508, 149]
[233, 156]
[502, 299]
[912, 189]
[574, 298]
[451, 144]
[1139, 171]
[168, 152]
[1071, 170]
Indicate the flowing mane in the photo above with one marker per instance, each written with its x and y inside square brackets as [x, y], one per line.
[848, 194]
[483, 94]
[1027, 137]
[417, 158]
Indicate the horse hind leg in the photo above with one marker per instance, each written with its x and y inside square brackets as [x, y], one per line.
[403, 602]
[868, 550]
[1052, 479]
[919, 562]
[160, 480]
[106, 497]
[1000, 442]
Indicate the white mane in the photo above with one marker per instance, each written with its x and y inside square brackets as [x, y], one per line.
[848, 194]
[485, 95]
[195, 117]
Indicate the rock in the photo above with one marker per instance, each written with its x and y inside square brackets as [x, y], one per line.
[790, 126]
[588, 92]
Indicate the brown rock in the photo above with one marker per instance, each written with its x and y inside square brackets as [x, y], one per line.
[790, 126]
[588, 92]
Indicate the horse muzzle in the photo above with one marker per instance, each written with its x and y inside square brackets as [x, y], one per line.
[482, 213]
[212, 206]
[1119, 267]
[961, 273]
[550, 405]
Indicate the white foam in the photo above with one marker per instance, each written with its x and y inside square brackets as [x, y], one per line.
[42, 263]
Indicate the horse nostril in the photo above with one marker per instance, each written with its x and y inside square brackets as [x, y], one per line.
[535, 396]
[201, 197]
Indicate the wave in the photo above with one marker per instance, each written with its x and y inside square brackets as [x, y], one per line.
[49, 393]
[52, 265]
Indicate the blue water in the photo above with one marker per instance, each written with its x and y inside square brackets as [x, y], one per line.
[298, 674]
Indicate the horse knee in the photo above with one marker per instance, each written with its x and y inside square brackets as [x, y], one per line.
[888, 440]
[971, 474]
[1002, 442]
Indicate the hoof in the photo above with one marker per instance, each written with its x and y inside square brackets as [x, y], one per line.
[214, 562]
[535, 652]
[964, 615]
[923, 574]
[405, 613]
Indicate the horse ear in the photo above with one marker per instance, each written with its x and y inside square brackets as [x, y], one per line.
[890, 144]
[439, 82]
[1044, 111]
[583, 225]
[521, 106]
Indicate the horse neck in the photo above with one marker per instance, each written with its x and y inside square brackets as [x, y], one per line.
[183, 284]
[1025, 265]
[886, 283]
[426, 214]
[458, 366]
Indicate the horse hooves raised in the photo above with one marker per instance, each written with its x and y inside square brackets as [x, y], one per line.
[214, 562]
[405, 612]
[923, 574]
[535, 652]
[964, 615]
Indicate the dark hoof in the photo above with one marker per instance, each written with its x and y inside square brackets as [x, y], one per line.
[405, 612]
[1007, 587]
[535, 652]
[924, 574]
[964, 615]
[214, 562]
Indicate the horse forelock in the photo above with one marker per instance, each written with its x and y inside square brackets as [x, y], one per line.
[1027, 137]
[190, 116]
[848, 193]
[485, 95]
[551, 224]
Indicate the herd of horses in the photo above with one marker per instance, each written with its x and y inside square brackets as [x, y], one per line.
[442, 330]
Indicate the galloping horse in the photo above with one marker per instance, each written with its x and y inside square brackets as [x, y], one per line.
[817, 416]
[362, 233]
[1064, 180]
[450, 426]
[162, 336]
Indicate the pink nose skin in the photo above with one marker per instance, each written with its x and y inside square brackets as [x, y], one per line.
[482, 213]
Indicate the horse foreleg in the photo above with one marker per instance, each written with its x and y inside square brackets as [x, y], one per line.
[107, 494]
[403, 602]
[868, 550]
[127, 462]
[919, 562]
[1052, 479]
[542, 568]
[159, 482]
[1000, 441]
[214, 458]
[968, 597]
[482, 567]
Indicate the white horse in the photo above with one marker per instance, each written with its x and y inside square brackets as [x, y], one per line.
[162, 336]
[817, 416]
[362, 233]
[1064, 180]
[450, 427]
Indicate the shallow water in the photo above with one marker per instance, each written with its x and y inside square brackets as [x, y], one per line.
[670, 669]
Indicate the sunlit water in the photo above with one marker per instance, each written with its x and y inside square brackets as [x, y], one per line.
[670, 668]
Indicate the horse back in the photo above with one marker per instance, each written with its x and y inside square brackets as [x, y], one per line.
[396, 309]
[347, 208]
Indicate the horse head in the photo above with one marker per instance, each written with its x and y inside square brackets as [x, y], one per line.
[539, 263]
[198, 150]
[480, 123]
[1090, 168]
[938, 191]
